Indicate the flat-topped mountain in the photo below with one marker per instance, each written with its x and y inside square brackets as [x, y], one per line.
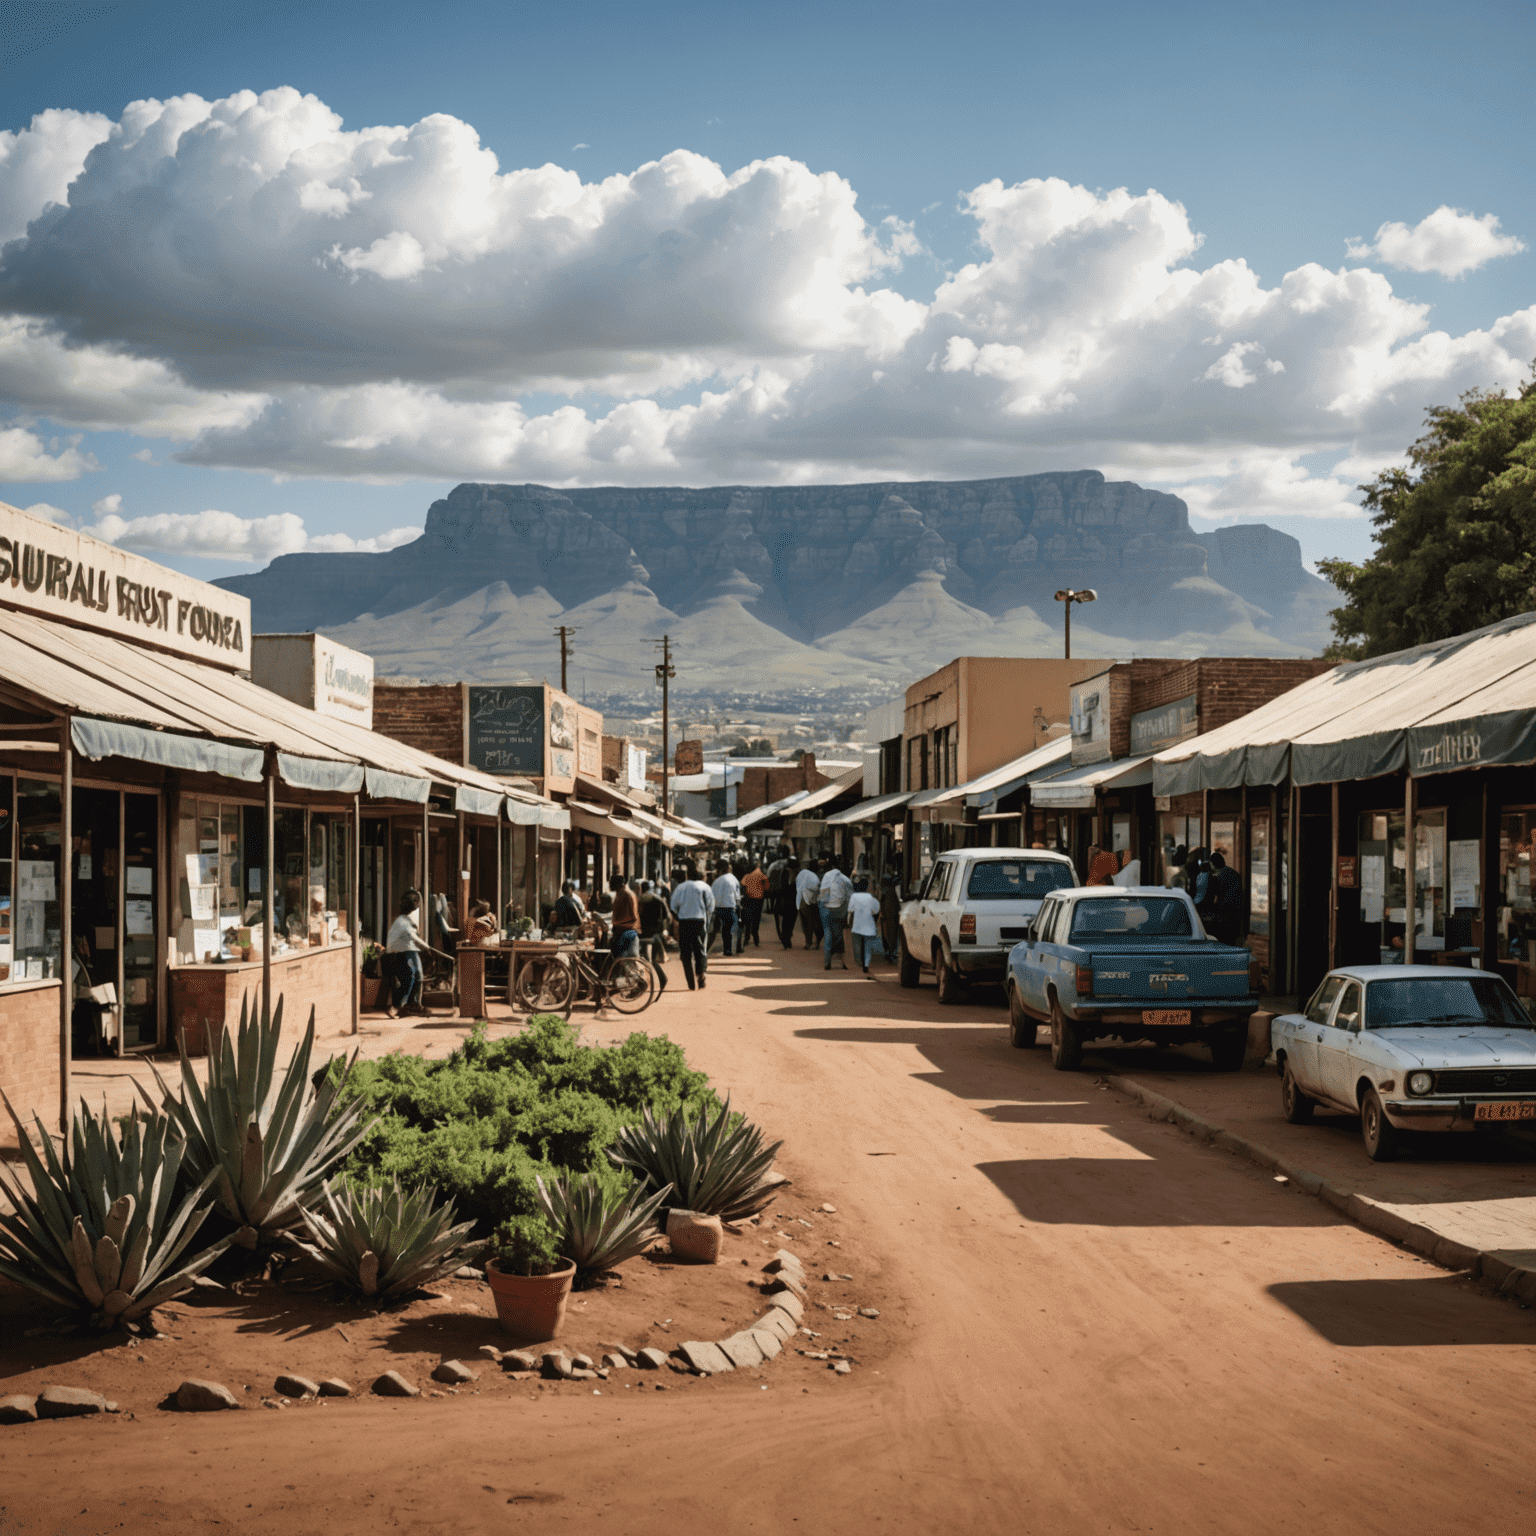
[765, 586]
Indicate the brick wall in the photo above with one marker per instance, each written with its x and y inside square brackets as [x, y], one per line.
[614, 764]
[207, 998]
[29, 1056]
[1225, 687]
[427, 716]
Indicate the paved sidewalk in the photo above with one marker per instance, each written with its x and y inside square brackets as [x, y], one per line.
[1468, 1203]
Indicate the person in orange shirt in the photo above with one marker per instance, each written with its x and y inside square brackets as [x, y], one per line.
[1102, 867]
[754, 890]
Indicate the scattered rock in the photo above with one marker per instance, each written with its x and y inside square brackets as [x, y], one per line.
[695, 1236]
[519, 1360]
[707, 1359]
[623, 1349]
[69, 1402]
[583, 1362]
[842, 1367]
[196, 1396]
[788, 1302]
[581, 1373]
[614, 1361]
[490, 1352]
[1280, 1178]
[869, 1312]
[454, 1373]
[742, 1350]
[830, 1276]
[650, 1359]
[393, 1384]
[767, 1341]
[831, 1210]
[18, 1409]
[557, 1365]
[334, 1386]
[296, 1386]
[468, 1272]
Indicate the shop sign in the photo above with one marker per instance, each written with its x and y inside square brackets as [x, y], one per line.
[1090, 721]
[506, 729]
[343, 682]
[1349, 872]
[57, 573]
[1154, 729]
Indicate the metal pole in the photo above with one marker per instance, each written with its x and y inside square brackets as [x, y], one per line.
[356, 913]
[268, 899]
[1067, 606]
[66, 925]
[1410, 895]
[1333, 882]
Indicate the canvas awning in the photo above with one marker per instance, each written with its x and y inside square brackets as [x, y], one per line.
[537, 813]
[670, 836]
[762, 813]
[852, 779]
[593, 818]
[1077, 788]
[1466, 702]
[868, 810]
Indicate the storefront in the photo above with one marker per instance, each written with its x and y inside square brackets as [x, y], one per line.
[175, 839]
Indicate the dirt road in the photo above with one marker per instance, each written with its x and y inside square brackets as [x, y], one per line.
[1094, 1323]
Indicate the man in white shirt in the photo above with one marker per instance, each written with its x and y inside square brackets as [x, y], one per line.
[727, 893]
[807, 888]
[832, 899]
[863, 922]
[693, 905]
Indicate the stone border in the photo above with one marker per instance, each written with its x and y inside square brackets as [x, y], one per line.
[1384, 1220]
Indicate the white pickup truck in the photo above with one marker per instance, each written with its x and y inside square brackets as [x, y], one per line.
[973, 907]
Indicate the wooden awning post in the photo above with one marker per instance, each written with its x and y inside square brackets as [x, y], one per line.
[268, 900]
[66, 924]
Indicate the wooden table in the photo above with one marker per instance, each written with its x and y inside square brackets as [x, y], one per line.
[471, 968]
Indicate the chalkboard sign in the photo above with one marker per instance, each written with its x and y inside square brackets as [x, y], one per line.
[506, 730]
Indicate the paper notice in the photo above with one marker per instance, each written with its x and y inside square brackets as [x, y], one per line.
[139, 917]
[1373, 887]
[1464, 859]
[141, 880]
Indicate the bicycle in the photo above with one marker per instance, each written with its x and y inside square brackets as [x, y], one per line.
[554, 983]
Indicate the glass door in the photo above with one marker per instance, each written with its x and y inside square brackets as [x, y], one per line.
[141, 921]
[94, 918]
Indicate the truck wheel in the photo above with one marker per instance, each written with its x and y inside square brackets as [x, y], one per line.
[1378, 1133]
[908, 970]
[1066, 1042]
[1294, 1104]
[1023, 1028]
[1229, 1048]
[950, 985]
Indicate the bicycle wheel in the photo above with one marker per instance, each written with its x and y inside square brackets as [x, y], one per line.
[546, 984]
[631, 985]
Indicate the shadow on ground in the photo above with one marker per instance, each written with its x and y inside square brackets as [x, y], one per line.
[1369, 1314]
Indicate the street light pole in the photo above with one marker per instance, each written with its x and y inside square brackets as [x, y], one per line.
[665, 672]
[1067, 597]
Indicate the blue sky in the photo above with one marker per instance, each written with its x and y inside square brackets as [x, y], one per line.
[1281, 133]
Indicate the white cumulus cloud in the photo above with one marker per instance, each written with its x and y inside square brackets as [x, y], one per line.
[1446, 241]
[38, 163]
[25, 458]
[215, 535]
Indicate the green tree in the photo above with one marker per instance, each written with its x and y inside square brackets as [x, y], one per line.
[1455, 532]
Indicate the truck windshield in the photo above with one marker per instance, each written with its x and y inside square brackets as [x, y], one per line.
[1016, 879]
[1448, 1000]
[1136, 917]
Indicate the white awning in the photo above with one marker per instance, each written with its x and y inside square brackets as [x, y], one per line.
[868, 810]
[763, 813]
[592, 818]
[671, 837]
[1076, 789]
[1043, 761]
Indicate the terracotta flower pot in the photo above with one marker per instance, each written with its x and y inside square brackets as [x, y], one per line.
[531, 1307]
[369, 988]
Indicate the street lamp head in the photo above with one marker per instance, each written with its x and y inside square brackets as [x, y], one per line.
[1081, 595]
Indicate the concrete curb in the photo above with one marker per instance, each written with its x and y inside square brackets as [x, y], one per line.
[1385, 1221]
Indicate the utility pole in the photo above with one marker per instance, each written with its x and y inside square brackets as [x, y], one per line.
[665, 672]
[565, 631]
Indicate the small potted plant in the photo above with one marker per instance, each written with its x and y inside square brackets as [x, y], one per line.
[529, 1280]
[372, 980]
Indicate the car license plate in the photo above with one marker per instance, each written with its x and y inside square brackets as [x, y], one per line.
[1516, 1111]
[1165, 1016]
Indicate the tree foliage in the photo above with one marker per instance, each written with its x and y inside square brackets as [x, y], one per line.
[1455, 531]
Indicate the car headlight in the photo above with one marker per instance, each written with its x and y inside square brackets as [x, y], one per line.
[1421, 1082]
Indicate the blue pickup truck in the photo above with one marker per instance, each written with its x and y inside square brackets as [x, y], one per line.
[1128, 963]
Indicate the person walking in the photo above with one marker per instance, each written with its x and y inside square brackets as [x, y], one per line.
[863, 923]
[653, 930]
[693, 905]
[1226, 901]
[405, 947]
[625, 918]
[781, 895]
[832, 902]
[727, 893]
[754, 891]
[807, 888]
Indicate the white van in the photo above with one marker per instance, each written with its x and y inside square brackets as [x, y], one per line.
[975, 905]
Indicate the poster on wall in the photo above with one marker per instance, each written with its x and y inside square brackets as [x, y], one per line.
[1373, 887]
[1464, 860]
[139, 918]
[506, 730]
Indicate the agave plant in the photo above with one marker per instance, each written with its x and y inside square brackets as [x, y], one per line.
[598, 1228]
[267, 1150]
[102, 1230]
[384, 1240]
[712, 1165]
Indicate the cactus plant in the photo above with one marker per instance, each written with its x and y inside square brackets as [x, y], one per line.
[598, 1228]
[102, 1230]
[268, 1150]
[713, 1166]
[384, 1240]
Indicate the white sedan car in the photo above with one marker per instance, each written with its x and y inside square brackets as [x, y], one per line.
[1409, 1048]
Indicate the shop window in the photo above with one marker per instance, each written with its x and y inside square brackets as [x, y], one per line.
[209, 868]
[38, 929]
[141, 944]
[1383, 853]
[330, 876]
[1258, 874]
[1224, 842]
[1517, 912]
[290, 881]
[1176, 832]
[1429, 890]
[514, 872]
